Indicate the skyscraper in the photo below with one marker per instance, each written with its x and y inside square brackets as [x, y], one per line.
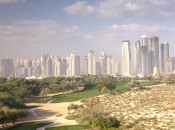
[153, 51]
[85, 65]
[164, 55]
[169, 65]
[103, 63]
[58, 68]
[43, 64]
[126, 58]
[73, 65]
[49, 66]
[111, 66]
[7, 68]
[91, 63]
[142, 58]
[146, 55]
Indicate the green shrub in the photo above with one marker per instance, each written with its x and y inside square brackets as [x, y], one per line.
[104, 123]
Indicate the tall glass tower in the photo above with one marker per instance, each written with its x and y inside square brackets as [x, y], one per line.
[126, 58]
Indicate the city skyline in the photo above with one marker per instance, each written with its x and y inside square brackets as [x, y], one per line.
[147, 61]
[28, 27]
[49, 65]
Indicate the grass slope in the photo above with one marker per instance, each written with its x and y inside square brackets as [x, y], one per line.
[151, 82]
[70, 97]
[70, 127]
[121, 86]
[93, 91]
[28, 126]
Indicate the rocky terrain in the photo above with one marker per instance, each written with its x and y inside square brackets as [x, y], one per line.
[152, 108]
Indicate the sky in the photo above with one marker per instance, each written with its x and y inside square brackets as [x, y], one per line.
[29, 28]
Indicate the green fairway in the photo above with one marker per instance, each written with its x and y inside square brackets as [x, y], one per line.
[70, 127]
[151, 82]
[121, 86]
[76, 96]
[87, 93]
[28, 126]
[93, 91]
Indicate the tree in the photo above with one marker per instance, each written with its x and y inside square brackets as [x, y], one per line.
[12, 115]
[2, 118]
[44, 93]
[135, 84]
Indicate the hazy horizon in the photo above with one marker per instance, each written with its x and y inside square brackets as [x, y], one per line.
[29, 28]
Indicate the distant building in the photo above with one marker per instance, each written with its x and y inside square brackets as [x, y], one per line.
[111, 66]
[73, 65]
[58, 68]
[142, 59]
[164, 55]
[153, 51]
[85, 65]
[103, 64]
[169, 65]
[91, 63]
[146, 55]
[7, 68]
[44, 59]
[49, 67]
[126, 58]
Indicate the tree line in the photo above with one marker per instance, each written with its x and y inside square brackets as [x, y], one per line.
[14, 90]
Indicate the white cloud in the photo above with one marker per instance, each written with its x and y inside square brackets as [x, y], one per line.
[132, 6]
[125, 9]
[37, 30]
[80, 7]
[11, 1]
[36, 37]
[117, 33]
[87, 37]
[28, 36]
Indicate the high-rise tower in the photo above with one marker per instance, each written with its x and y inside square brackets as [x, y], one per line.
[164, 55]
[153, 51]
[126, 58]
[91, 63]
[7, 68]
[73, 65]
[103, 63]
[147, 55]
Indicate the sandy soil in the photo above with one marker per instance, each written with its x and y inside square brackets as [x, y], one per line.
[54, 112]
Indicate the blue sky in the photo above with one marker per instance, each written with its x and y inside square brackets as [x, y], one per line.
[29, 28]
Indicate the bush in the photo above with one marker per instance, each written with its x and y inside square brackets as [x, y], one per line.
[74, 106]
[104, 123]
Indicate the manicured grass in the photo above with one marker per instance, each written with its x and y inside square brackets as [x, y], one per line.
[151, 82]
[70, 97]
[87, 93]
[91, 92]
[121, 86]
[84, 94]
[28, 126]
[70, 127]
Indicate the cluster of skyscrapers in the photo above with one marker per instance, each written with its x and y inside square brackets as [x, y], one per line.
[150, 58]
[59, 66]
[147, 59]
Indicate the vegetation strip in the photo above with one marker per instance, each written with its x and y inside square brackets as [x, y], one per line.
[28, 126]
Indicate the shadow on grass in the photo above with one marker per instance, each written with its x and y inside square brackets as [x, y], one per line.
[30, 107]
